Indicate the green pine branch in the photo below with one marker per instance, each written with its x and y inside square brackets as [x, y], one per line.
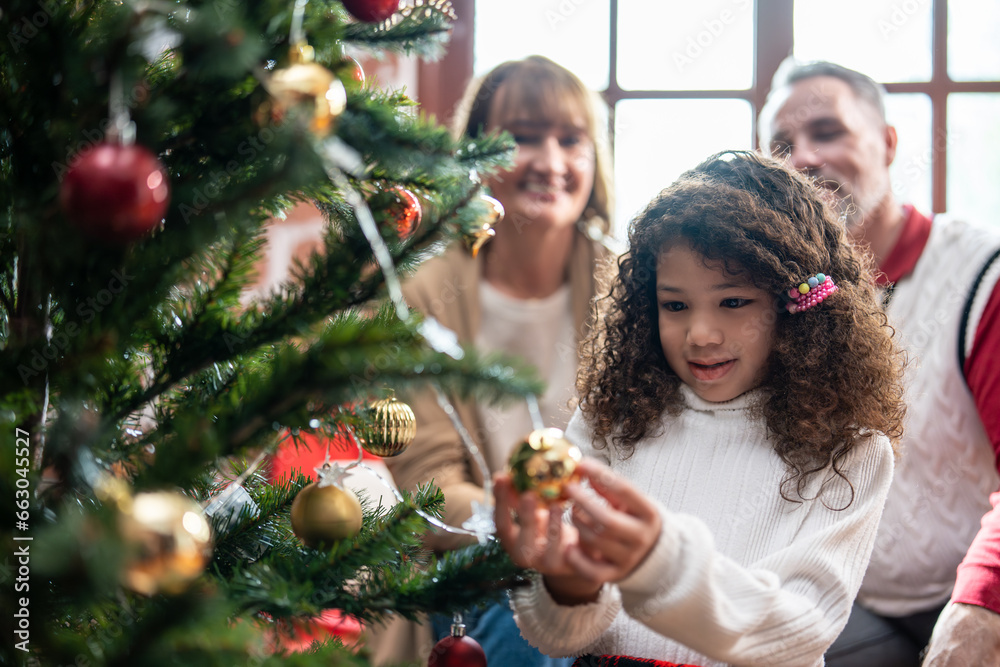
[421, 29]
[293, 580]
[254, 530]
[456, 581]
[351, 360]
[141, 360]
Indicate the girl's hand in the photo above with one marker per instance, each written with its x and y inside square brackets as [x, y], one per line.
[611, 539]
[538, 539]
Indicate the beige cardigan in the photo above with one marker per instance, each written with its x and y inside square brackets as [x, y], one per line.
[446, 287]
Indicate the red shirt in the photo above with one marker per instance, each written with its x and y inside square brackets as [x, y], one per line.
[978, 580]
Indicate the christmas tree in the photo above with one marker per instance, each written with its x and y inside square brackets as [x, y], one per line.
[144, 146]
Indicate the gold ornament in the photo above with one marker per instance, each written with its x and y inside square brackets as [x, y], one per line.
[168, 541]
[390, 429]
[475, 240]
[324, 514]
[544, 462]
[308, 82]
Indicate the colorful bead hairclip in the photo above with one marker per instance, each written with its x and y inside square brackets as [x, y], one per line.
[809, 294]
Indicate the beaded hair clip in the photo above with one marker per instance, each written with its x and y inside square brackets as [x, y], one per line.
[810, 293]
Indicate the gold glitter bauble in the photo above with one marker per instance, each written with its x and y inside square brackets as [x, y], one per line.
[307, 82]
[544, 462]
[168, 541]
[324, 514]
[390, 429]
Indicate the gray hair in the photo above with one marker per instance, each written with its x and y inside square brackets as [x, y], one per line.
[791, 71]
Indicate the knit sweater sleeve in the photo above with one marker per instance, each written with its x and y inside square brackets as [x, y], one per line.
[559, 630]
[787, 607]
[978, 576]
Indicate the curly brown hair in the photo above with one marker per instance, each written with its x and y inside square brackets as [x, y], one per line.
[833, 374]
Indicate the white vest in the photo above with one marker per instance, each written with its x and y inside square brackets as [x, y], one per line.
[946, 470]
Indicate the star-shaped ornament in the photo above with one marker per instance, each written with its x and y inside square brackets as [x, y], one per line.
[331, 474]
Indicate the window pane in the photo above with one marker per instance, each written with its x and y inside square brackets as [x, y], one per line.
[657, 140]
[973, 33]
[575, 34]
[911, 172]
[973, 161]
[889, 40]
[685, 46]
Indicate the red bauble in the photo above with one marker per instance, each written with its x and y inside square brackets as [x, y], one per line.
[115, 193]
[371, 11]
[455, 651]
[398, 207]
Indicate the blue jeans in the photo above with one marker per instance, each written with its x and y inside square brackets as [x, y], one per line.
[870, 639]
[494, 628]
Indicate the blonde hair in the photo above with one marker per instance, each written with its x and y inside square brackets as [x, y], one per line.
[544, 90]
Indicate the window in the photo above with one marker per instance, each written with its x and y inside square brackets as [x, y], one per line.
[687, 79]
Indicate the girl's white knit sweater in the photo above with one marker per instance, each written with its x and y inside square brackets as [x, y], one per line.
[739, 575]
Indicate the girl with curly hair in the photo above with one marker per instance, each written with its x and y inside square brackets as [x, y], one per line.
[739, 402]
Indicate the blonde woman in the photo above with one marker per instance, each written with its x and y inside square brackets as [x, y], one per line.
[527, 293]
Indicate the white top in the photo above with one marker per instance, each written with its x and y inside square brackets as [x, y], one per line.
[739, 575]
[540, 331]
